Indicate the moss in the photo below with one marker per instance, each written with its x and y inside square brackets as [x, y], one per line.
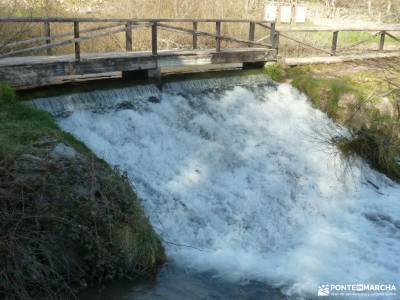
[62, 219]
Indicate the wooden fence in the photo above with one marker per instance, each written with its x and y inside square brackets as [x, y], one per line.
[113, 26]
[381, 31]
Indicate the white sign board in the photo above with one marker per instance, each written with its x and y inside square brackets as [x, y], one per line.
[286, 14]
[270, 13]
[301, 14]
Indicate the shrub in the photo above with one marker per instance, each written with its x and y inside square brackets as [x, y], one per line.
[379, 146]
[274, 71]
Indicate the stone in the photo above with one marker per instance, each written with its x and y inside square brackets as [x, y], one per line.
[62, 151]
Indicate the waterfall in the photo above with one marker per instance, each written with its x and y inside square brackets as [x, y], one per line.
[237, 177]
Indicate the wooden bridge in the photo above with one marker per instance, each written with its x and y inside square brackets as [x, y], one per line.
[24, 71]
[43, 56]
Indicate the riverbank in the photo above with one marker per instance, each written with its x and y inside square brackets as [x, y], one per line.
[362, 96]
[67, 219]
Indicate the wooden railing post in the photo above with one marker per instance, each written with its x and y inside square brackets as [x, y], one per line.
[194, 35]
[274, 36]
[334, 42]
[382, 41]
[218, 33]
[154, 38]
[252, 30]
[77, 44]
[47, 33]
[128, 36]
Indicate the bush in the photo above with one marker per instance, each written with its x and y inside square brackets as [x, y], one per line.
[374, 137]
[379, 146]
[274, 71]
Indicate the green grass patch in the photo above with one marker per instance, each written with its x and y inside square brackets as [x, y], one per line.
[325, 93]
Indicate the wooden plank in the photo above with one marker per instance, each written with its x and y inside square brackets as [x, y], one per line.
[218, 34]
[386, 27]
[266, 26]
[392, 36]
[382, 41]
[222, 37]
[154, 38]
[47, 33]
[31, 71]
[77, 44]
[297, 61]
[195, 35]
[334, 42]
[128, 36]
[252, 31]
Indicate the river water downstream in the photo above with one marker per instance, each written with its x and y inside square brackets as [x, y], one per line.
[239, 179]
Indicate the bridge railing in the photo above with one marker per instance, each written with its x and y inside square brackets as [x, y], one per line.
[363, 38]
[109, 27]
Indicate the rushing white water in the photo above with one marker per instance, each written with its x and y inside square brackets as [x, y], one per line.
[241, 183]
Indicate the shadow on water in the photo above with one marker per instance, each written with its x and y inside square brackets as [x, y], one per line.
[174, 283]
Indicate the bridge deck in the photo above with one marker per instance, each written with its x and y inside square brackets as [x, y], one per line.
[33, 71]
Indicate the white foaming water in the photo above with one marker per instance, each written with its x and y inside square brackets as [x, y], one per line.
[242, 177]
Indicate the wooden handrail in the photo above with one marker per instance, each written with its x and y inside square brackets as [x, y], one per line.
[63, 43]
[222, 37]
[127, 27]
[105, 20]
[357, 43]
[393, 37]
[43, 38]
[387, 27]
[305, 44]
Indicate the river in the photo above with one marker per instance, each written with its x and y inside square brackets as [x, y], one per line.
[240, 180]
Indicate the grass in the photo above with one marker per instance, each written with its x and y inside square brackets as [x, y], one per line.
[351, 100]
[274, 71]
[22, 127]
[326, 93]
[65, 223]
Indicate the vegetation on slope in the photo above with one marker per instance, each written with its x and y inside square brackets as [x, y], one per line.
[67, 220]
[365, 103]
